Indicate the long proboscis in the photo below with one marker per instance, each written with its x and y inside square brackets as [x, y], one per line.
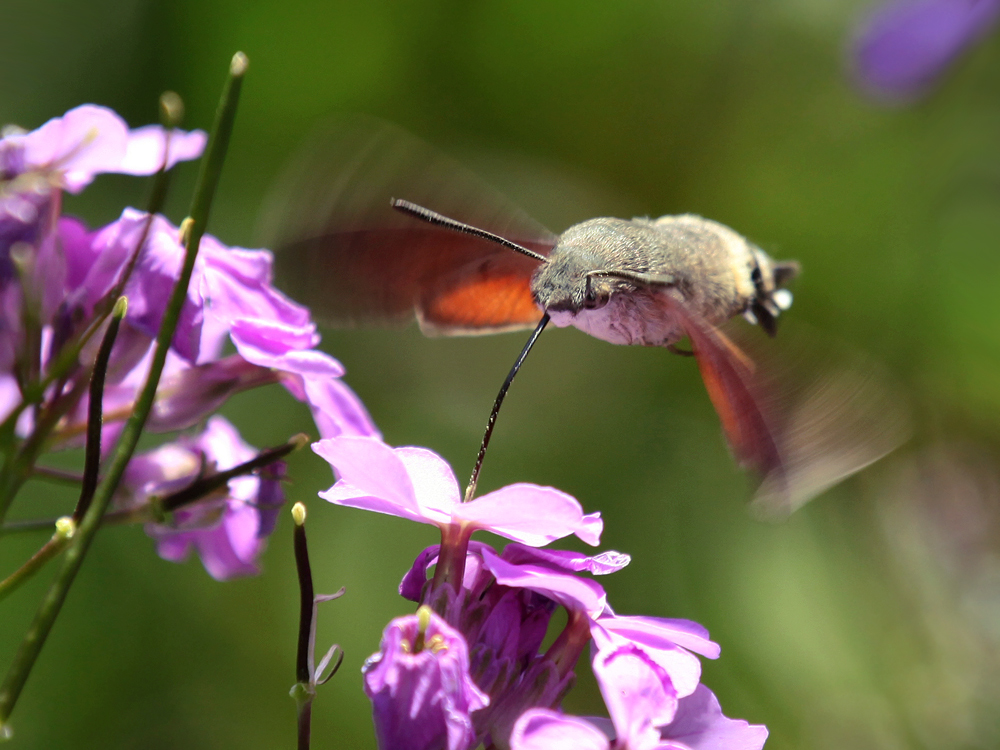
[470, 491]
[432, 217]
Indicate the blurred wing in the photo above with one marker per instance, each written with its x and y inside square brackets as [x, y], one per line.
[729, 377]
[342, 250]
[803, 415]
[839, 411]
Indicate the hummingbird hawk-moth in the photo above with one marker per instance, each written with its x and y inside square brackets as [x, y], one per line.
[378, 227]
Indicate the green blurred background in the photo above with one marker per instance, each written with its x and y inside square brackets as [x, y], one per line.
[871, 619]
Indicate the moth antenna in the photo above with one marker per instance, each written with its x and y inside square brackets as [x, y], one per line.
[432, 217]
[471, 489]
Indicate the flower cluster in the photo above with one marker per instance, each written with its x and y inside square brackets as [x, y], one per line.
[58, 282]
[470, 666]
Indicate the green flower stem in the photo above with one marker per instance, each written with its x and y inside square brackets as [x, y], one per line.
[18, 465]
[65, 528]
[208, 179]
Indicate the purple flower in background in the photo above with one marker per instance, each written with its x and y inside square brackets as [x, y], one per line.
[905, 45]
[228, 529]
[230, 296]
[419, 684]
[66, 153]
[89, 140]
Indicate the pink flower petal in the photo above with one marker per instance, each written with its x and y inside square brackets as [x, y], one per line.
[371, 467]
[657, 631]
[144, 149]
[337, 410]
[574, 593]
[700, 725]
[568, 560]
[86, 140]
[433, 481]
[529, 514]
[543, 729]
[637, 695]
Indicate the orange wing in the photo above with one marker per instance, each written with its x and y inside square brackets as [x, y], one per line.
[484, 296]
[342, 249]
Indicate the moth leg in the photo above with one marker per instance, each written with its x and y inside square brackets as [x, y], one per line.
[638, 277]
[674, 349]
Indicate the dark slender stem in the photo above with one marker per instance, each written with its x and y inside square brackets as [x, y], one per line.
[56, 476]
[194, 491]
[304, 689]
[95, 411]
[92, 461]
[34, 639]
[305, 724]
[306, 601]
[206, 485]
[470, 491]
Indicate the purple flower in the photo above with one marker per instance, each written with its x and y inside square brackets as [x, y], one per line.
[700, 725]
[65, 154]
[638, 693]
[905, 45]
[545, 729]
[503, 609]
[417, 484]
[69, 151]
[230, 296]
[667, 643]
[650, 682]
[697, 725]
[228, 530]
[419, 684]
[636, 701]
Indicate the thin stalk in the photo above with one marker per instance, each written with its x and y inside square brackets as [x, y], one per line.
[304, 690]
[176, 500]
[65, 527]
[56, 476]
[95, 412]
[207, 485]
[208, 179]
[470, 491]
